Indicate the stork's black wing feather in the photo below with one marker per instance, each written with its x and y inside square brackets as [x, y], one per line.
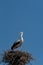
[15, 45]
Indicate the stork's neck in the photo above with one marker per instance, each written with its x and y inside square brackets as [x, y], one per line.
[21, 37]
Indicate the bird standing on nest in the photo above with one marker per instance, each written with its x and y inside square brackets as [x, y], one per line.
[18, 43]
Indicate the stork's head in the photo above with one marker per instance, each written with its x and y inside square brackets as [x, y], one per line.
[21, 33]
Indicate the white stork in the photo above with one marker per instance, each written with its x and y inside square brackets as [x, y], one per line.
[18, 43]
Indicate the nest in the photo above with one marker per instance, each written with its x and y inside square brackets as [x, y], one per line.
[16, 57]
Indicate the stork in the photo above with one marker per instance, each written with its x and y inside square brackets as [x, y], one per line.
[18, 43]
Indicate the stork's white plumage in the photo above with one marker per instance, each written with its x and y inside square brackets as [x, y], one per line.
[19, 42]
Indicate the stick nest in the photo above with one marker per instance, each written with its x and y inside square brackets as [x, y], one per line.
[16, 57]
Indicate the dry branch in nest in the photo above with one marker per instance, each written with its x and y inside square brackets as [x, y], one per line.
[17, 57]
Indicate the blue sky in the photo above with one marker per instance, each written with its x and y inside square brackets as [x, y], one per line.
[26, 16]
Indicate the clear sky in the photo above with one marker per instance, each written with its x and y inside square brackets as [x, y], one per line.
[26, 16]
